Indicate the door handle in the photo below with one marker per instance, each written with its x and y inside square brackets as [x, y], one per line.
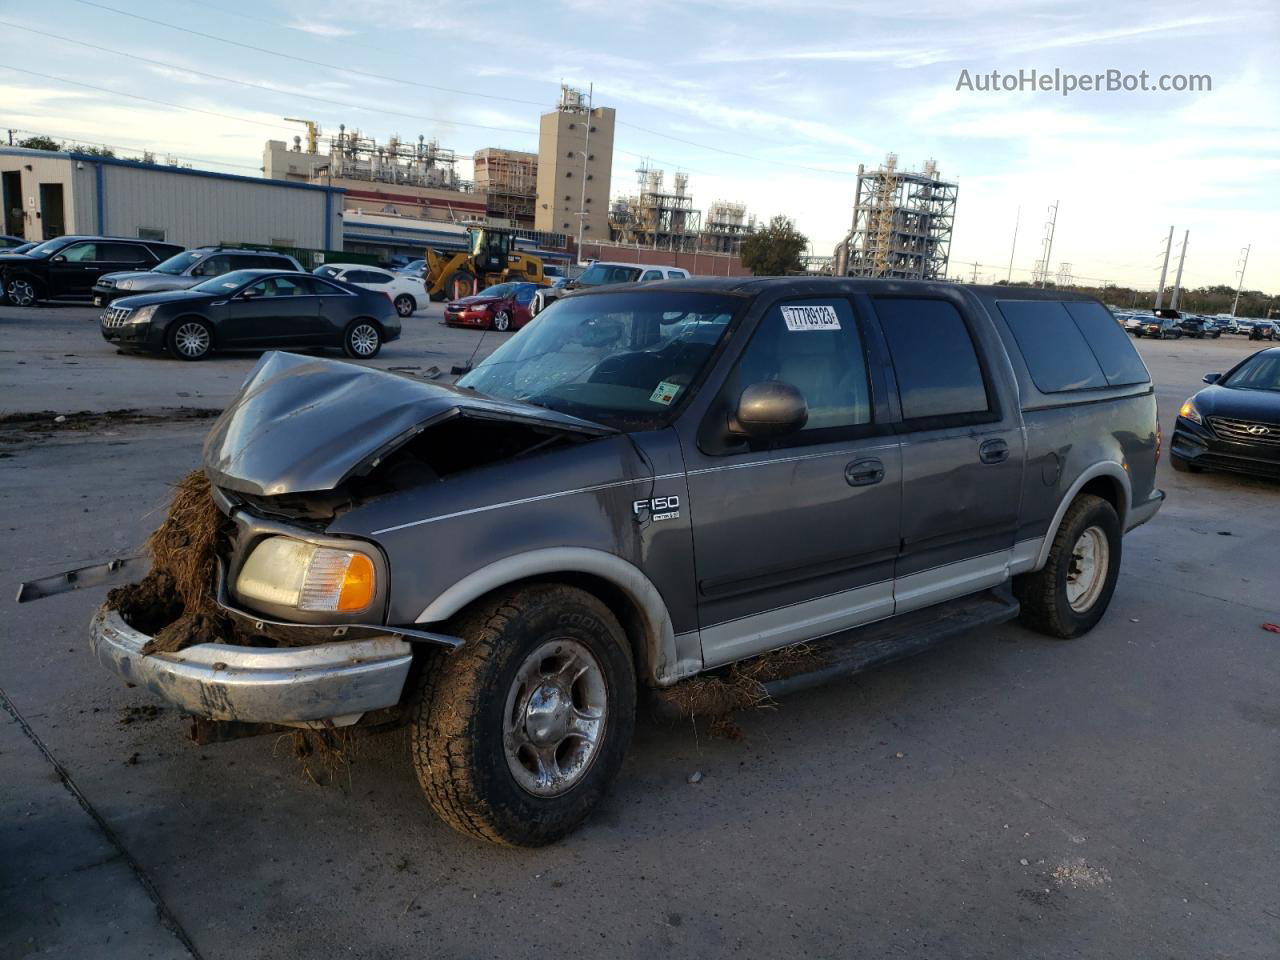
[864, 473]
[993, 451]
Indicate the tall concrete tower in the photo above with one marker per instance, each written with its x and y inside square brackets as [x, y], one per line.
[575, 158]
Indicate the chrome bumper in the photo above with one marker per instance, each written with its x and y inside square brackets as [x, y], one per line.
[335, 682]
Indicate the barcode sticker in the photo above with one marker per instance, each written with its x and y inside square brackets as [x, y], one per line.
[800, 319]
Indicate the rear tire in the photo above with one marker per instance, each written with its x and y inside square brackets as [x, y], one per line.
[1070, 594]
[189, 338]
[362, 340]
[495, 737]
[459, 284]
[405, 305]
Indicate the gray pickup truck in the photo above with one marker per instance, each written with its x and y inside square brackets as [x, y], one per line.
[648, 484]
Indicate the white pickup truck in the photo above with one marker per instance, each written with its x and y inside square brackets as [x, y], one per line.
[606, 273]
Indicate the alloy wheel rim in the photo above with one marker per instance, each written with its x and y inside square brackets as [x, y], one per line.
[501, 321]
[1087, 574]
[555, 717]
[404, 307]
[364, 340]
[21, 293]
[192, 340]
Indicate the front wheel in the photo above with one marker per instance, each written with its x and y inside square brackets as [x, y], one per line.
[518, 733]
[190, 339]
[21, 292]
[405, 305]
[1069, 595]
[502, 321]
[362, 341]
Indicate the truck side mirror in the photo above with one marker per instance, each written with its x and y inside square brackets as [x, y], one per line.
[1212, 377]
[769, 409]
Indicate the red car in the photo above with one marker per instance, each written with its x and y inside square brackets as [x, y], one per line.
[504, 306]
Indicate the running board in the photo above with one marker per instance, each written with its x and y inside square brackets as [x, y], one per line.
[850, 652]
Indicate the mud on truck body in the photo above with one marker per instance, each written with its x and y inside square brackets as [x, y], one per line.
[646, 485]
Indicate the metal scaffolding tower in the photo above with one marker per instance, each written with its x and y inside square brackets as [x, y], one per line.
[902, 223]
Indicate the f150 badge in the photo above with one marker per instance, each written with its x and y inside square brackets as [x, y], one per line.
[658, 508]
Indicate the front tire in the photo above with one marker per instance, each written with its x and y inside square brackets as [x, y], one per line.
[1070, 594]
[405, 305]
[502, 321]
[362, 340]
[189, 339]
[22, 292]
[518, 734]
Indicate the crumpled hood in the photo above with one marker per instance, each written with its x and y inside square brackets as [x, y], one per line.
[478, 300]
[306, 424]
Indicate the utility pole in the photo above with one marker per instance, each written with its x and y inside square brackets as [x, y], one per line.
[975, 272]
[1168, 247]
[1240, 282]
[1177, 282]
[1008, 278]
[1049, 229]
[586, 146]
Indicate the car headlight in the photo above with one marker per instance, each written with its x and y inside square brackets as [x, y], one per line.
[142, 314]
[1190, 412]
[294, 573]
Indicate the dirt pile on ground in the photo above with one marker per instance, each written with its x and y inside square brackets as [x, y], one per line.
[741, 686]
[175, 601]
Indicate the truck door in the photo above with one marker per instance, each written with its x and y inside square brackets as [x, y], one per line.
[962, 450]
[796, 537]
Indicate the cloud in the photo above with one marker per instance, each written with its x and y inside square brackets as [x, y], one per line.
[320, 28]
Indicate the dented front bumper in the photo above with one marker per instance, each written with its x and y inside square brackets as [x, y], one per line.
[335, 682]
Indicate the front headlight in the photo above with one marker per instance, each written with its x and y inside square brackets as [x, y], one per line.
[293, 573]
[1190, 412]
[142, 314]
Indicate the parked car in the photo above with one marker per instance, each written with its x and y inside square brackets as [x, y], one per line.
[502, 307]
[254, 309]
[186, 269]
[1160, 328]
[647, 485]
[405, 292]
[1263, 330]
[9, 243]
[1234, 423]
[414, 268]
[68, 267]
[1133, 322]
[603, 273]
[1198, 327]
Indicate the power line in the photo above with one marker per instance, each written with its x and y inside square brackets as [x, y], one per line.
[285, 91]
[144, 150]
[429, 86]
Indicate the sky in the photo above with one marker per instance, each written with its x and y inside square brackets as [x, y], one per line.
[769, 102]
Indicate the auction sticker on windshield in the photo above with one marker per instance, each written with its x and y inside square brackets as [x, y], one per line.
[800, 319]
[665, 393]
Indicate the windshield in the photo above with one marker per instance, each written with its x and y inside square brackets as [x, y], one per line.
[228, 281]
[177, 264]
[499, 290]
[49, 247]
[1259, 372]
[624, 360]
[599, 274]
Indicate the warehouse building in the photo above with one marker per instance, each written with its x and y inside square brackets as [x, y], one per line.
[48, 194]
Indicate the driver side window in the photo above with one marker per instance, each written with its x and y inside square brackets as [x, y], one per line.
[816, 347]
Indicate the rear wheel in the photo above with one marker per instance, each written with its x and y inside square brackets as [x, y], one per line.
[405, 305]
[1069, 595]
[189, 339]
[519, 732]
[21, 292]
[363, 340]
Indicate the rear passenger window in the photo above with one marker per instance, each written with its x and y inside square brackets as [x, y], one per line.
[934, 359]
[1110, 344]
[675, 275]
[1057, 355]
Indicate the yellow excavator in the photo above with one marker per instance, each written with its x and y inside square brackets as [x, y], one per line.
[491, 258]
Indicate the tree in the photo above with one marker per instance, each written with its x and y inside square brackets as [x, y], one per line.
[775, 251]
[96, 151]
[40, 142]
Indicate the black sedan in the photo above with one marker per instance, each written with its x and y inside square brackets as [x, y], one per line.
[253, 310]
[1234, 423]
